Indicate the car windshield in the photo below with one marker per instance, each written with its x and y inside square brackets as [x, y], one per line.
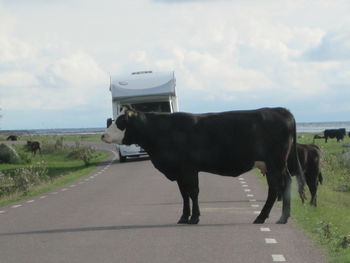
[152, 106]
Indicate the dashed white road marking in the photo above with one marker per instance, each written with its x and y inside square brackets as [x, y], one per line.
[16, 206]
[254, 205]
[278, 258]
[54, 193]
[30, 201]
[2, 211]
[244, 185]
[270, 241]
[250, 195]
[252, 200]
[43, 196]
[257, 212]
[243, 182]
[265, 229]
[241, 179]
[247, 190]
[72, 185]
[64, 189]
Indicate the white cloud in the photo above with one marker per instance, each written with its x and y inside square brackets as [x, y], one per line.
[13, 79]
[247, 52]
[80, 70]
[335, 45]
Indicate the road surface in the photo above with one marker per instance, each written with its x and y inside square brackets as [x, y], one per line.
[127, 212]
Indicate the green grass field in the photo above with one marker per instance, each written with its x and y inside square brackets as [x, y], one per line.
[328, 223]
[56, 166]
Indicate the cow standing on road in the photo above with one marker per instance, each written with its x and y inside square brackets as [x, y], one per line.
[180, 145]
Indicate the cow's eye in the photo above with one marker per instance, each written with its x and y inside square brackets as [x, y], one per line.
[121, 122]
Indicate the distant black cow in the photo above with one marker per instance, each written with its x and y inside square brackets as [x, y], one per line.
[309, 157]
[334, 133]
[33, 146]
[180, 145]
[316, 136]
[12, 138]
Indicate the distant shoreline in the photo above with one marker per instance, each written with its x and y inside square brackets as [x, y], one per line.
[302, 127]
[58, 132]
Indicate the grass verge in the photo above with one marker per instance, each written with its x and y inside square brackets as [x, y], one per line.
[328, 224]
[42, 173]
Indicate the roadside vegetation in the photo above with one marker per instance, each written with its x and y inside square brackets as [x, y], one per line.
[328, 223]
[60, 162]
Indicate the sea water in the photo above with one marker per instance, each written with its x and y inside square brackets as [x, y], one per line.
[306, 127]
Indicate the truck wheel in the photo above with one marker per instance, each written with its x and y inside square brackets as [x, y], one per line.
[122, 158]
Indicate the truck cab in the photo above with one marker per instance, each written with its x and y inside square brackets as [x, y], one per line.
[144, 91]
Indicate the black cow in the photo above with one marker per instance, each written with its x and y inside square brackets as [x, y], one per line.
[12, 138]
[334, 133]
[229, 144]
[317, 136]
[310, 156]
[33, 146]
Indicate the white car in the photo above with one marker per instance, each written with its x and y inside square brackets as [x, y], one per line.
[130, 151]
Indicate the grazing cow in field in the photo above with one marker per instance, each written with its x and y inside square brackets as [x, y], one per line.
[335, 133]
[309, 157]
[12, 138]
[316, 136]
[180, 145]
[33, 146]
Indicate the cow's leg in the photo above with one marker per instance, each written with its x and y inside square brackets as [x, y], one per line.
[286, 195]
[186, 211]
[271, 198]
[312, 185]
[193, 192]
[191, 189]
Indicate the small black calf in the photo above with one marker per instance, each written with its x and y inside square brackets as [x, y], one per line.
[33, 146]
[309, 157]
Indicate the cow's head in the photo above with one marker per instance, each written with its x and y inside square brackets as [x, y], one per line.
[117, 131]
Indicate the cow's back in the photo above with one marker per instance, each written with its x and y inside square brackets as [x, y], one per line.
[226, 143]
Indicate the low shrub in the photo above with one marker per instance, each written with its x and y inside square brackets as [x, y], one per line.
[21, 179]
[83, 153]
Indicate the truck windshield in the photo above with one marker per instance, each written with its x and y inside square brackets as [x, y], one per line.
[163, 106]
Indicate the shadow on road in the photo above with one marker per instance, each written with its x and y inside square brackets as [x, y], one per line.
[205, 202]
[113, 228]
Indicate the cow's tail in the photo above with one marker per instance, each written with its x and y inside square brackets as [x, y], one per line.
[296, 167]
[320, 178]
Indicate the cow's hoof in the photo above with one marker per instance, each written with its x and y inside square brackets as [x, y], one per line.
[193, 221]
[282, 220]
[183, 220]
[259, 220]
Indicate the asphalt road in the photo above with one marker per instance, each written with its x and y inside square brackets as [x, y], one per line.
[127, 212]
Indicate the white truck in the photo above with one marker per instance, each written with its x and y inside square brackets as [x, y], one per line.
[144, 91]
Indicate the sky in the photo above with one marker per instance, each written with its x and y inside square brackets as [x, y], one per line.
[56, 56]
